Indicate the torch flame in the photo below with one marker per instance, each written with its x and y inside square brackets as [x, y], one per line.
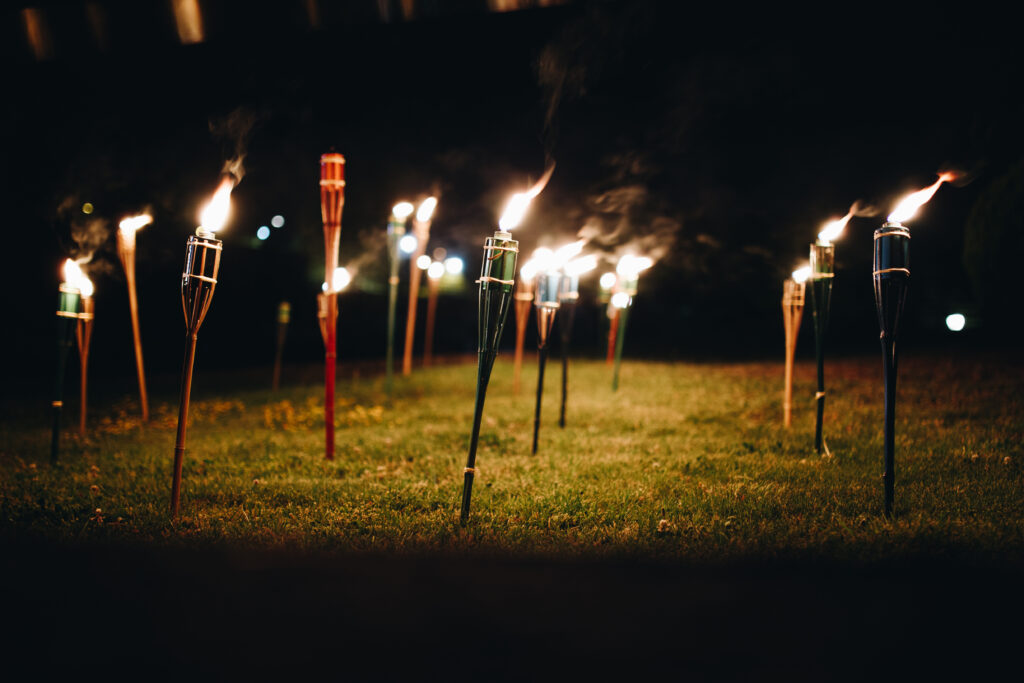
[630, 266]
[567, 252]
[215, 214]
[402, 210]
[74, 277]
[426, 210]
[831, 231]
[801, 274]
[543, 260]
[132, 223]
[520, 202]
[909, 205]
[582, 265]
[528, 270]
[339, 281]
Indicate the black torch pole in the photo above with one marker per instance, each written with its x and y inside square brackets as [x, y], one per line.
[891, 276]
[542, 357]
[565, 328]
[67, 319]
[497, 277]
[822, 274]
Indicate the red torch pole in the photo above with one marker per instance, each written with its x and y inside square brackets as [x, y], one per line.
[332, 199]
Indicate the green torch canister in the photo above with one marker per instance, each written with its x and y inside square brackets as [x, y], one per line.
[891, 275]
[547, 304]
[822, 273]
[497, 278]
[68, 298]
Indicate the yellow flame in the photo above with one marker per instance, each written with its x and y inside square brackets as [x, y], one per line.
[74, 277]
[215, 214]
[402, 210]
[516, 208]
[909, 205]
[630, 266]
[426, 210]
[801, 274]
[133, 223]
[831, 231]
[583, 264]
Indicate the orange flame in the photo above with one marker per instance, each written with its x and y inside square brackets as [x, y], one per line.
[133, 223]
[831, 231]
[520, 202]
[215, 214]
[909, 205]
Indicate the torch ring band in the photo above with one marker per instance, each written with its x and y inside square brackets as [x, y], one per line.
[892, 270]
[204, 278]
[488, 278]
[499, 248]
[67, 314]
[470, 470]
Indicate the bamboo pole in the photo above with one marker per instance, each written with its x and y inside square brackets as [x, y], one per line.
[83, 335]
[126, 252]
[792, 314]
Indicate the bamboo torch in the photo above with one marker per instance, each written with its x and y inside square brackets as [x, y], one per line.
[421, 229]
[792, 313]
[332, 200]
[547, 305]
[891, 275]
[126, 252]
[198, 280]
[497, 278]
[396, 230]
[83, 335]
[628, 270]
[434, 274]
[68, 298]
[524, 302]
[568, 296]
[284, 316]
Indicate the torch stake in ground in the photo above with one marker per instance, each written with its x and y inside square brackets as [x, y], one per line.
[524, 302]
[83, 335]
[421, 229]
[497, 277]
[332, 200]
[565, 328]
[68, 296]
[284, 316]
[198, 280]
[792, 313]
[126, 252]
[891, 275]
[396, 229]
[822, 260]
[547, 305]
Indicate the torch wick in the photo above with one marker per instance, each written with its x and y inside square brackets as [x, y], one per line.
[203, 232]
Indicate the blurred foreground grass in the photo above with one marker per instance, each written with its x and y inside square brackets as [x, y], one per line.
[685, 461]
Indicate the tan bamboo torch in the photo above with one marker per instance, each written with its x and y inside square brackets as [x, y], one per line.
[524, 302]
[421, 230]
[332, 201]
[434, 274]
[284, 316]
[83, 335]
[792, 313]
[198, 281]
[126, 252]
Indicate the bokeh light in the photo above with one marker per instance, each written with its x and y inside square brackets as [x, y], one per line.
[263, 233]
[955, 322]
[407, 244]
[277, 221]
[423, 262]
[453, 265]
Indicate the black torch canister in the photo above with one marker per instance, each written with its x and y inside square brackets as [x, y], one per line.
[497, 278]
[891, 274]
[822, 273]
[547, 304]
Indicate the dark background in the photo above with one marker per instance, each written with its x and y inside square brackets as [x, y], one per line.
[718, 139]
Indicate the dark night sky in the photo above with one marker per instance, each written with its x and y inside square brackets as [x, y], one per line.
[723, 137]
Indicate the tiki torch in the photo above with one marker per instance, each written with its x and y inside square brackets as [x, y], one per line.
[126, 252]
[83, 335]
[68, 296]
[396, 230]
[547, 304]
[628, 270]
[497, 278]
[421, 229]
[607, 284]
[434, 274]
[524, 302]
[823, 254]
[284, 316]
[891, 274]
[332, 200]
[792, 313]
[568, 295]
[198, 280]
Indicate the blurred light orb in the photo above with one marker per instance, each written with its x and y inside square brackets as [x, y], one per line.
[407, 244]
[87, 208]
[454, 265]
[277, 221]
[440, 253]
[620, 300]
[955, 322]
[423, 262]
[436, 270]
[263, 233]
[608, 280]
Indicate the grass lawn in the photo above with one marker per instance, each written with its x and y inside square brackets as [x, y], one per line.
[685, 462]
